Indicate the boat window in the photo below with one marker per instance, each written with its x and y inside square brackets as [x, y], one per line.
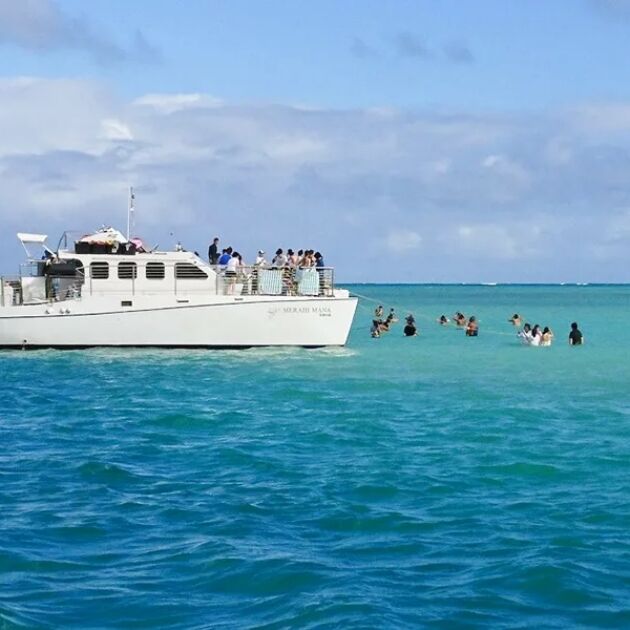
[155, 271]
[99, 270]
[127, 270]
[189, 271]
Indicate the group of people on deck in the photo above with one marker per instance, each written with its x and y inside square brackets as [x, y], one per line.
[231, 260]
[529, 335]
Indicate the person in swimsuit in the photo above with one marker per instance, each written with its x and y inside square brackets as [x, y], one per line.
[547, 337]
[515, 320]
[472, 328]
[389, 320]
[443, 320]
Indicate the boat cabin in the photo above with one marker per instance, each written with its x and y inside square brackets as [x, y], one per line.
[105, 263]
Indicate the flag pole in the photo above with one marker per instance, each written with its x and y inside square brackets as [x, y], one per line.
[130, 209]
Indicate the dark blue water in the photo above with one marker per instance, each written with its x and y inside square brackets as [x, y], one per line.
[437, 481]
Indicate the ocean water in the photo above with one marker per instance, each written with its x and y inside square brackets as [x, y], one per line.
[438, 481]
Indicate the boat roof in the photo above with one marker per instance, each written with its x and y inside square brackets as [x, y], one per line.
[104, 235]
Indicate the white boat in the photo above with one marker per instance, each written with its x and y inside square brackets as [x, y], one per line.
[106, 290]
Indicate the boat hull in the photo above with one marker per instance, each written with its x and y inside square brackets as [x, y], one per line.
[219, 324]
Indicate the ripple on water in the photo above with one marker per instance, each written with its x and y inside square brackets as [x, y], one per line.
[388, 484]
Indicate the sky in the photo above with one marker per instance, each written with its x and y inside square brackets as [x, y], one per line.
[409, 141]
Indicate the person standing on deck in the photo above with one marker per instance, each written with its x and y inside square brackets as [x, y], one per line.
[225, 257]
[213, 251]
[260, 259]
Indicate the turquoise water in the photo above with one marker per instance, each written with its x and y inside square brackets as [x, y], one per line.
[437, 481]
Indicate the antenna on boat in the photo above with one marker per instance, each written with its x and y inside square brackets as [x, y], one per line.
[130, 211]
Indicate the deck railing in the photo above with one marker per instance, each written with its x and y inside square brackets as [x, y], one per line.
[18, 290]
[10, 291]
[247, 280]
[253, 280]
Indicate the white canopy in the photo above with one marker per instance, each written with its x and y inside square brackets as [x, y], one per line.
[32, 238]
[104, 235]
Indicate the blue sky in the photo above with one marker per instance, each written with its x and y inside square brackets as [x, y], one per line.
[410, 141]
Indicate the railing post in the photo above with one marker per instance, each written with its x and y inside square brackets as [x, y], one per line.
[2, 291]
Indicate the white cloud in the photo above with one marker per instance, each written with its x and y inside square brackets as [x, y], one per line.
[558, 151]
[169, 103]
[493, 190]
[39, 115]
[114, 129]
[441, 167]
[618, 227]
[402, 240]
[489, 240]
[505, 166]
[601, 118]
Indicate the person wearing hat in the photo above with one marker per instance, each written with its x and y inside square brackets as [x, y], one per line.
[260, 259]
[259, 262]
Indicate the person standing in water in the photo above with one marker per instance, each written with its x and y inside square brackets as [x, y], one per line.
[472, 328]
[576, 338]
[536, 336]
[547, 337]
[410, 329]
[525, 335]
[515, 320]
[389, 320]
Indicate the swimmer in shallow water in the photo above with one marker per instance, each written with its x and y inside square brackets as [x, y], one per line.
[472, 328]
[547, 337]
[389, 320]
[410, 329]
[375, 330]
[576, 338]
[515, 320]
[536, 336]
[443, 320]
[525, 335]
[460, 319]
